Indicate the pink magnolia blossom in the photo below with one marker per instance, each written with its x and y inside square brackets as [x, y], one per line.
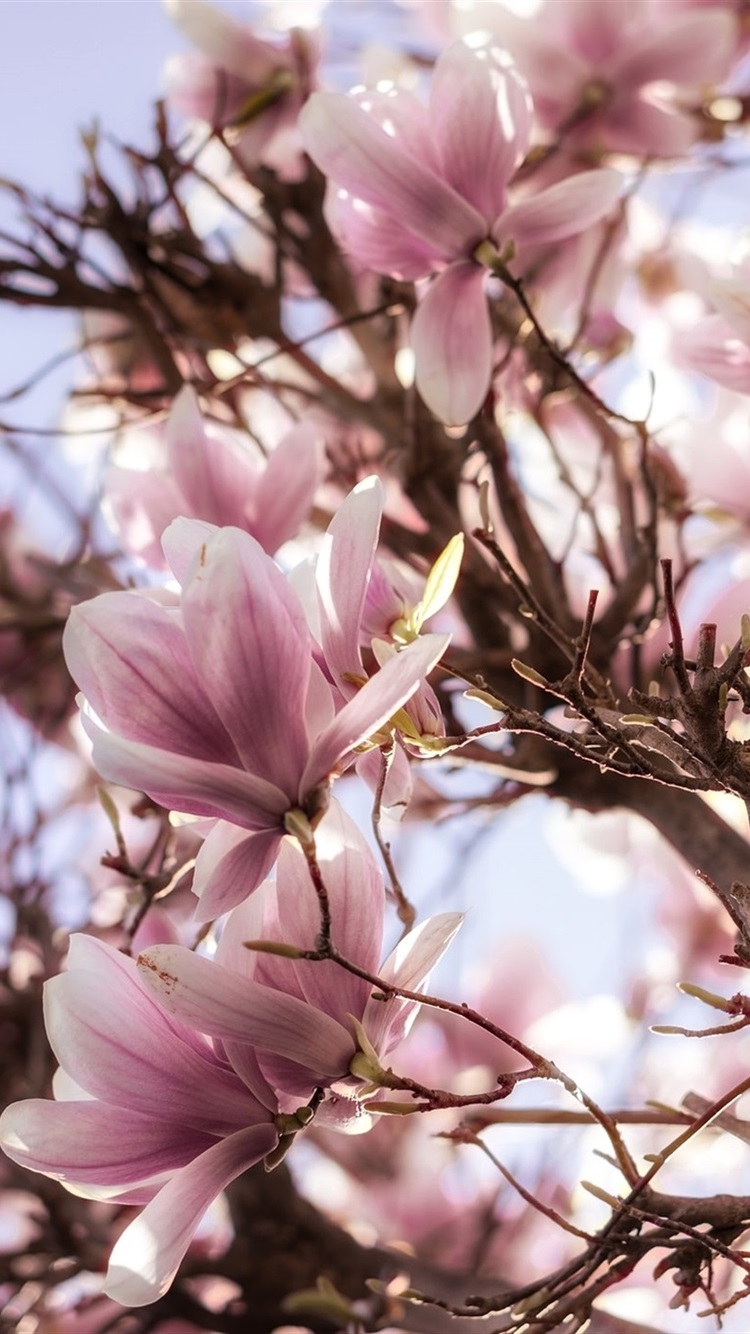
[241, 83]
[148, 1112]
[363, 611]
[296, 1016]
[367, 612]
[420, 191]
[216, 707]
[211, 474]
[593, 67]
[719, 346]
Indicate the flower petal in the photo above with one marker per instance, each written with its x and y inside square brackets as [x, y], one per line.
[561, 210]
[689, 48]
[452, 341]
[147, 1255]
[130, 657]
[183, 784]
[251, 646]
[182, 541]
[372, 707]
[714, 349]
[110, 1034]
[230, 866]
[92, 1143]
[287, 486]
[356, 897]
[228, 43]
[343, 573]
[408, 966]
[376, 239]
[352, 149]
[215, 1001]
[215, 474]
[481, 119]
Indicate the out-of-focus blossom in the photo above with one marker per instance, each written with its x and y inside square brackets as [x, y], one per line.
[249, 88]
[305, 1019]
[212, 474]
[216, 707]
[719, 346]
[417, 191]
[148, 1112]
[612, 77]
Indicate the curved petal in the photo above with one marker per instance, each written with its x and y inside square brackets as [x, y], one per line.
[147, 1255]
[637, 125]
[343, 574]
[230, 866]
[182, 541]
[714, 349]
[130, 657]
[251, 646]
[287, 486]
[216, 475]
[408, 966]
[561, 210]
[371, 708]
[111, 1035]
[92, 1143]
[376, 239]
[481, 119]
[356, 897]
[452, 340]
[181, 783]
[731, 298]
[228, 43]
[141, 505]
[352, 149]
[215, 1001]
[690, 48]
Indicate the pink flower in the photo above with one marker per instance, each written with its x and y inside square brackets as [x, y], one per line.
[212, 475]
[242, 83]
[421, 191]
[296, 1014]
[719, 346]
[148, 1112]
[215, 706]
[592, 67]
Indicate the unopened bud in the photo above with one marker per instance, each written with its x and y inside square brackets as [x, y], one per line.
[275, 947]
[708, 997]
[528, 673]
[390, 1108]
[484, 697]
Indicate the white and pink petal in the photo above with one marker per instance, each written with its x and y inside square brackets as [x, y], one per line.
[251, 647]
[481, 115]
[451, 337]
[147, 1256]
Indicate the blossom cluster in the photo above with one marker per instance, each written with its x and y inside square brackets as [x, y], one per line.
[268, 646]
[218, 702]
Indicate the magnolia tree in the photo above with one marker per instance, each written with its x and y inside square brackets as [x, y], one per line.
[396, 530]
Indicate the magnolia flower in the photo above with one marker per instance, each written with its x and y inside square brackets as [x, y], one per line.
[418, 191]
[216, 707]
[719, 346]
[309, 1025]
[604, 75]
[213, 476]
[241, 83]
[361, 608]
[148, 1112]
